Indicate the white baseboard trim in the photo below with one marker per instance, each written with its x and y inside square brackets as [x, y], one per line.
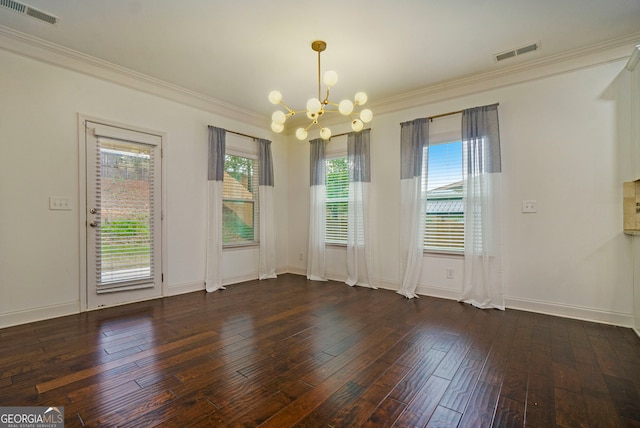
[570, 311]
[386, 284]
[548, 308]
[174, 290]
[421, 290]
[189, 287]
[280, 270]
[334, 276]
[39, 314]
[440, 292]
[530, 305]
[295, 270]
[228, 280]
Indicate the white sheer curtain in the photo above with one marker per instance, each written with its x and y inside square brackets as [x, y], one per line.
[317, 212]
[358, 220]
[482, 280]
[213, 274]
[414, 136]
[267, 225]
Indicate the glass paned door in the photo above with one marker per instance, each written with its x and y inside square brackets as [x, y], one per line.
[123, 233]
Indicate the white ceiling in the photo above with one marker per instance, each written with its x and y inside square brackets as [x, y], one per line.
[236, 51]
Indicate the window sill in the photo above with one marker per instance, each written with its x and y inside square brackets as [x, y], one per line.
[443, 253]
[242, 246]
[334, 244]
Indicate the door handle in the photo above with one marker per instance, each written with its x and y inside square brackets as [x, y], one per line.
[93, 224]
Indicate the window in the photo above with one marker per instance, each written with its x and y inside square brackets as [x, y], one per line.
[337, 200]
[444, 222]
[240, 201]
[125, 197]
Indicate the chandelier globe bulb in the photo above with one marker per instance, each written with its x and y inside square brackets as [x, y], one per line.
[361, 98]
[366, 115]
[277, 127]
[314, 105]
[278, 117]
[275, 97]
[325, 133]
[330, 78]
[301, 133]
[345, 107]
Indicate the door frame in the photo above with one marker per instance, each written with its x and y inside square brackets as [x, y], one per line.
[82, 203]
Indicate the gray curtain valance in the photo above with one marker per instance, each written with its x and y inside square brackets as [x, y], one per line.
[413, 137]
[318, 165]
[217, 139]
[481, 135]
[358, 155]
[266, 163]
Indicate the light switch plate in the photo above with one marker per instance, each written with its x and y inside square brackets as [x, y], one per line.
[59, 203]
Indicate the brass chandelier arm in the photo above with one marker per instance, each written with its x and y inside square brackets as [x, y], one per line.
[291, 112]
[326, 99]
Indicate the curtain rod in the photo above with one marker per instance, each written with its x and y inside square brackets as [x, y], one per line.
[238, 133]
[258, 138]
[347, 133]
[451, 113]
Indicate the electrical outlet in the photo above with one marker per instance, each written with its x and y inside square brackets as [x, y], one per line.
[529, 206]
[300, 256]
[449, 273]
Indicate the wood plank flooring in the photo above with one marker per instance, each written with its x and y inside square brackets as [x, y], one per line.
[291, 352]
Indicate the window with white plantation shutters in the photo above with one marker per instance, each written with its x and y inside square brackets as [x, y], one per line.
[240, 207]
[444, 221]
[125, 201]
[337, 200]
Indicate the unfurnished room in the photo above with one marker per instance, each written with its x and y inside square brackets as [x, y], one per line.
[414, 213]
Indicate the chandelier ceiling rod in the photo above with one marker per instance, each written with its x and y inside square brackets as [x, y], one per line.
[319, 46]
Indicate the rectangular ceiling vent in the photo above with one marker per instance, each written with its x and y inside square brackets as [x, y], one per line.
[516, 52]
[24, 9]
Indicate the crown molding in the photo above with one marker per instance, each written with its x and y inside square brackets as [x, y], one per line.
[565, 62]
[51, 53]
[633, 59]
[585, 57]
[54, 54]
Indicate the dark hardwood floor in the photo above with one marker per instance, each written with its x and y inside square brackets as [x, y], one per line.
[290, 352]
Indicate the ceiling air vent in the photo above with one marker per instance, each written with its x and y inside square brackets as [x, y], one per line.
[518, 51]
[29, 11]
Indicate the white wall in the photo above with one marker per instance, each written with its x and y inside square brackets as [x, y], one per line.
[39, 248]
[559, 147]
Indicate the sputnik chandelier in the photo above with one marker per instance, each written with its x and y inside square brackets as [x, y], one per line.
[318, 107]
